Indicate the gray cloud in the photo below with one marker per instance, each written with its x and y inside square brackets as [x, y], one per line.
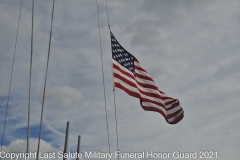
[190, 48]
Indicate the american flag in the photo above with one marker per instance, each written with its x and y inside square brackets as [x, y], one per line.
[129, 76]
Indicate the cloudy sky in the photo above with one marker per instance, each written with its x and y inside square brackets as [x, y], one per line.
[190, 48]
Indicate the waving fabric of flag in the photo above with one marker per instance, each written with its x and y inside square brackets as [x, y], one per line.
[129, 76]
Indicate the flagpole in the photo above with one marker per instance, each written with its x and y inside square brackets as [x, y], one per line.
[30, 82]
[66, 140]
[104, 90]
[114, 99]
[45, 83]
[10, 83]
[78, 147]
[112, 76]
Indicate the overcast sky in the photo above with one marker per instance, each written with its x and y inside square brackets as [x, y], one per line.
[190, 49]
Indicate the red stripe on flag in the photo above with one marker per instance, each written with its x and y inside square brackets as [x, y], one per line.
[131, 93]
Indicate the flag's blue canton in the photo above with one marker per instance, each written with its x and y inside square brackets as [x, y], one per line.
[122, 56]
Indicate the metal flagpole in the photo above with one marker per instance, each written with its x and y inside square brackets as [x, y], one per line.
[45, 84]
[10, 84]
[104, 91]
[66, 141]
[114, 94]
[78, 146]
[30, 81]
